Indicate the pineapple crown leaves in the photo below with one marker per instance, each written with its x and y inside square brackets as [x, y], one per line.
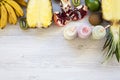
[112, 45]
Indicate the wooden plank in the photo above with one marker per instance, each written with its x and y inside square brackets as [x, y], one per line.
[44, 54]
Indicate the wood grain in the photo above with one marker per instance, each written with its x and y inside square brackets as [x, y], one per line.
[44, 54]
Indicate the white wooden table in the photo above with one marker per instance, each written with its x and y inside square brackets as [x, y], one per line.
[43, 54]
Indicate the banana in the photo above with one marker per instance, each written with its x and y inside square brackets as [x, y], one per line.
[3, 19]
[16, 7]
[21, 2]
[10, 21]
[0, 16]
[10, 10]
[0, 11]
[18, 15]
[12, 16]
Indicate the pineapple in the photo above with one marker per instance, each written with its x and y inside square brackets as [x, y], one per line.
[111, 12]
[39, 13]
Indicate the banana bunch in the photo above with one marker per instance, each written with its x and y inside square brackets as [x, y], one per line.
[10, 10]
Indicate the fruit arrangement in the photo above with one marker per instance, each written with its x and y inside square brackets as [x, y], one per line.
[10, 10]
[110, 12]
[40, 14]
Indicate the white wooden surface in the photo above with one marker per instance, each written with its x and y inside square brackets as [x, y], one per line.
[43, 54]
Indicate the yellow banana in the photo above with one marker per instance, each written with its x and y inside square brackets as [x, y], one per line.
[16, 6]
[0, 11]
[12, 16]
[18, 15]
[0, 16]
[21, 2]
[3, 21]
[10, 20]
[0, 22]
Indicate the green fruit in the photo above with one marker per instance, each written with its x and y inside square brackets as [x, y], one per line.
[23, 24]
[93, 5]
[76, 2]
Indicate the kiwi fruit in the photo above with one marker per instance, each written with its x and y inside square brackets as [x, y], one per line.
[95, 18]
